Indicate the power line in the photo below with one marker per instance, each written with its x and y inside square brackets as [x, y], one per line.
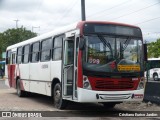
[147, 20]
[66, 8]
[118, 5]
[135, 11]
[67, 11]
[38, 8]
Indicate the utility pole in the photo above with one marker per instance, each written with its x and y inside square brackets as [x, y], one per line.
[35, 27]
[83, 10]
[16, 23]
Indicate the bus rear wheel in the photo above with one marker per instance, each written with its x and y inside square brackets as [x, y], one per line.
[59, 102]
[20, 92]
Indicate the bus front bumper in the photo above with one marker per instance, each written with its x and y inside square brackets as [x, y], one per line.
[85, 95]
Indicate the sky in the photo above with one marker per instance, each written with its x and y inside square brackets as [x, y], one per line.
[43, 16]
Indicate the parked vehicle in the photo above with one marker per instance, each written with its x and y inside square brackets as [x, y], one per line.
[153, 69]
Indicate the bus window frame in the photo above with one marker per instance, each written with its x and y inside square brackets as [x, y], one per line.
[59, 47]
[25, 54]
[31, 52]
[17, 62]
[50, 49]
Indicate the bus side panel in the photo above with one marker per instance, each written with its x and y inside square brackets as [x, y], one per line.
[55, 73]
[44, 73]
[56, 69]
[37, 81]
[24, 72]
[37, 87]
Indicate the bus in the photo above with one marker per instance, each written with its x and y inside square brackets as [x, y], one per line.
[86, 62]
[153, 69]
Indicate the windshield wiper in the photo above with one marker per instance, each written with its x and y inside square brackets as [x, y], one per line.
[126, 43]
[105, 43]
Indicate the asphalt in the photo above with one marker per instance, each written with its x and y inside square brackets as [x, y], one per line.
[2, 84]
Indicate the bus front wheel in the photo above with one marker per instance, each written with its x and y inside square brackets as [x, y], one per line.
[155, 76]
[59, 102]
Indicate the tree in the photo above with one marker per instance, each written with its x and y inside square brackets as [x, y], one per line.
[154, 49]
[13, 36]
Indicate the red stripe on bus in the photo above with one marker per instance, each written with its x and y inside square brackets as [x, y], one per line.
[80, 73]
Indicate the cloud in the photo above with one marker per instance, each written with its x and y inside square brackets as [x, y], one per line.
[51, 14]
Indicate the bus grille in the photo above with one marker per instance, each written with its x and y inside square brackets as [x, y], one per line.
[114, 85]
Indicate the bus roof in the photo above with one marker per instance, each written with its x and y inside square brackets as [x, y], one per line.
[62, 30]
[46, 35]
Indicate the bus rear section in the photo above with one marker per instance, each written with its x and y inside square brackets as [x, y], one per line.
[10, 68]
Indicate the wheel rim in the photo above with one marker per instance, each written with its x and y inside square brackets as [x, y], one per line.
[155, 77]
[18, 88]
[57, 96]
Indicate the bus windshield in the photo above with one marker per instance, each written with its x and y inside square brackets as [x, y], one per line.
[105, 53]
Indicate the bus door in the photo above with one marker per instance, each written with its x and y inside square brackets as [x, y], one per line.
[69, 65]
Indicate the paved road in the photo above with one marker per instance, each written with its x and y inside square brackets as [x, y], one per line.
[2, 84]
[9, 101]
[34, 102]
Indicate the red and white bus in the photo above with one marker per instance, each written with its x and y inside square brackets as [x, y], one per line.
[89, 61]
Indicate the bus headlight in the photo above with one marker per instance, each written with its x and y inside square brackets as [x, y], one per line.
[86, 83]
[141, 84]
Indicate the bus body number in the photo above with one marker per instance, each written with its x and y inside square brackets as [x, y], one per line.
[45, 66]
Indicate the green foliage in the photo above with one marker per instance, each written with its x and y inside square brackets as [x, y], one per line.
[13, 36]
[154, 49]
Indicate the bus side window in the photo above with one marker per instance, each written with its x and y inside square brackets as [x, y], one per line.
[26, 54]
[46, 50]
[35, 49]
[19, 55]
[13, 58]
[8, 57]
[57, 48]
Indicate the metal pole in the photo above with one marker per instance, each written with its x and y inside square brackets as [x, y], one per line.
[35, 27]
[83, 10]
[16, 23]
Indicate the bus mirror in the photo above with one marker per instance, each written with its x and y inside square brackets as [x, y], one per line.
[81, 44]
[145, 52]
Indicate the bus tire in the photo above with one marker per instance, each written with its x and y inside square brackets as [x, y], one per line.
[155, 77]
[109, 105]
[20, 92]
[59, 102]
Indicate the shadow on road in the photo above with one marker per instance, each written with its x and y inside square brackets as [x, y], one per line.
[72, 106]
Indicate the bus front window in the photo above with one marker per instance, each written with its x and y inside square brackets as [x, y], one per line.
[106, 53]
[129, 50]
